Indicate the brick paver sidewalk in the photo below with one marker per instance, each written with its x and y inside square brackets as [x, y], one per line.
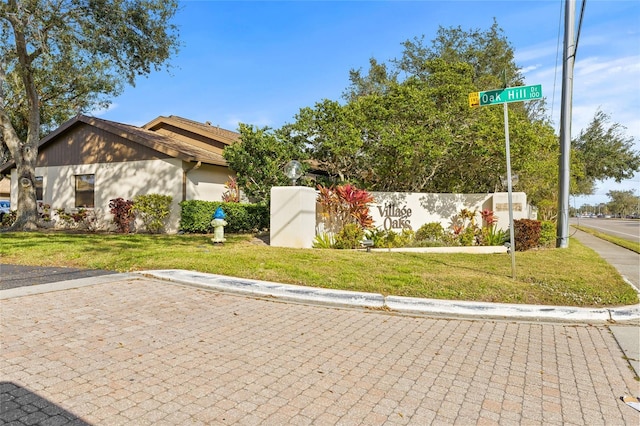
[142, 352]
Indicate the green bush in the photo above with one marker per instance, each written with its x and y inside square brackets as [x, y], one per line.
[493, 236]
[468, 236]
[432, 231]
[196, 216]
[323, 241]
[153, 209]
[349, 237]
[390, 239]
[9, 218]
[405, 238]
[547, 234]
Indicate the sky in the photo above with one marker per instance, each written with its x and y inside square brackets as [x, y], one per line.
[260, 62]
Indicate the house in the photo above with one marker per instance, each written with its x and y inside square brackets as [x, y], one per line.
[5, 188]
[88, 161]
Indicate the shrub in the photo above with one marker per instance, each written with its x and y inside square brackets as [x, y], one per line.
[9, 218]
[547, 233]
[345, 204]
[44, 211]
[80, 218]
[488, 218]
[153, 209]
[196, 216]
[376, 235]
[232, 194]
[123, 214]
[404, 239]
[390, 239]
[526, 234]
[323, 241]
[492, 236]
[468, 236]
[349, 237]
[464, 228]
[432, 231]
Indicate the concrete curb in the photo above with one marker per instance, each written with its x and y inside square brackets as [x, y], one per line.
[269, 289]
[504, 310]
[408, 305]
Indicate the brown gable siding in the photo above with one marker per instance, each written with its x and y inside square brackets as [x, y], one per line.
[85, 144]
[190, 137]
[202, 135]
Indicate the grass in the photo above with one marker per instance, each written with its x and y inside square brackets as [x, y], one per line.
[575, 276]
[615, 240]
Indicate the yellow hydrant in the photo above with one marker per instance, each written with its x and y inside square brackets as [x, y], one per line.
[218, 224]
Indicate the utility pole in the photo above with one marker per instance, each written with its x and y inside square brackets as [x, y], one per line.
[569, 51]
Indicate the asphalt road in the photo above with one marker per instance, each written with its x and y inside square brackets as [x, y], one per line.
[13, 276]
[628, 229]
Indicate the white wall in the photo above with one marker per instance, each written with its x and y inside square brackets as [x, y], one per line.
[292, 216]
[206, 183]
[112, 180]
[389, 210]
[395, 210]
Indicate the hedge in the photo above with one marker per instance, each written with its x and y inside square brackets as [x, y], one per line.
[526, 234]
[196, 216]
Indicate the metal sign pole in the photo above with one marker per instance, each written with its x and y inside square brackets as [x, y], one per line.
[512, 247]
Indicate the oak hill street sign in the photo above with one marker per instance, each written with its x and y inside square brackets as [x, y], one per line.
[504, 96]
[501, 96]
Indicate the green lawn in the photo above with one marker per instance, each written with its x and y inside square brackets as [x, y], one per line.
[575, 276]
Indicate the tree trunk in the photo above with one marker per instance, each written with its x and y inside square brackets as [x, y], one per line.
[27, 212]
[24, 153]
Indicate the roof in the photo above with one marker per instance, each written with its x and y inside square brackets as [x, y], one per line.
[205, 129]
[161, 143]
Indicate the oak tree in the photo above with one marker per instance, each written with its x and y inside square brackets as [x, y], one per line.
[623, 203]
[259, 157]
[602, 151]
[59, 58]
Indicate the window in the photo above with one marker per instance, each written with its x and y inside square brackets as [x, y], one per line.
[39, 187]
[85, 189]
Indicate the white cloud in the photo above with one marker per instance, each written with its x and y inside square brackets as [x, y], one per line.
[232, 121]
[545, 50]
[530, 68]
[101, 111]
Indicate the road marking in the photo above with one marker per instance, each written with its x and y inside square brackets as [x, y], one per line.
[610, 230]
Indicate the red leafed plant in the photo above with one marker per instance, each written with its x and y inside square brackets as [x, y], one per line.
[123, 214]
[488, 217]
[232, 194]
[345, 204]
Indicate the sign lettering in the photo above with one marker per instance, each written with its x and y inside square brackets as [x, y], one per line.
[501, 96]
[395, 217]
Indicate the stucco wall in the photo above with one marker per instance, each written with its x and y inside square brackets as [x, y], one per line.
[112, 180]
[397, 210]
[207, 182]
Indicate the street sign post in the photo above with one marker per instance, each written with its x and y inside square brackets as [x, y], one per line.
[504, 96]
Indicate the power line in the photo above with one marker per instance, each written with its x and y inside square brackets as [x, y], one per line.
[584, 3]
[555, 76]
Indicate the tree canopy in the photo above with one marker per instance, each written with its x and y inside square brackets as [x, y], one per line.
[406, 125]
[59, 58]
[623, 203]
[602, 151]
[259, 159]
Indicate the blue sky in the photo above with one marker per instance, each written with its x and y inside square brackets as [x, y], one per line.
[259, 62]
